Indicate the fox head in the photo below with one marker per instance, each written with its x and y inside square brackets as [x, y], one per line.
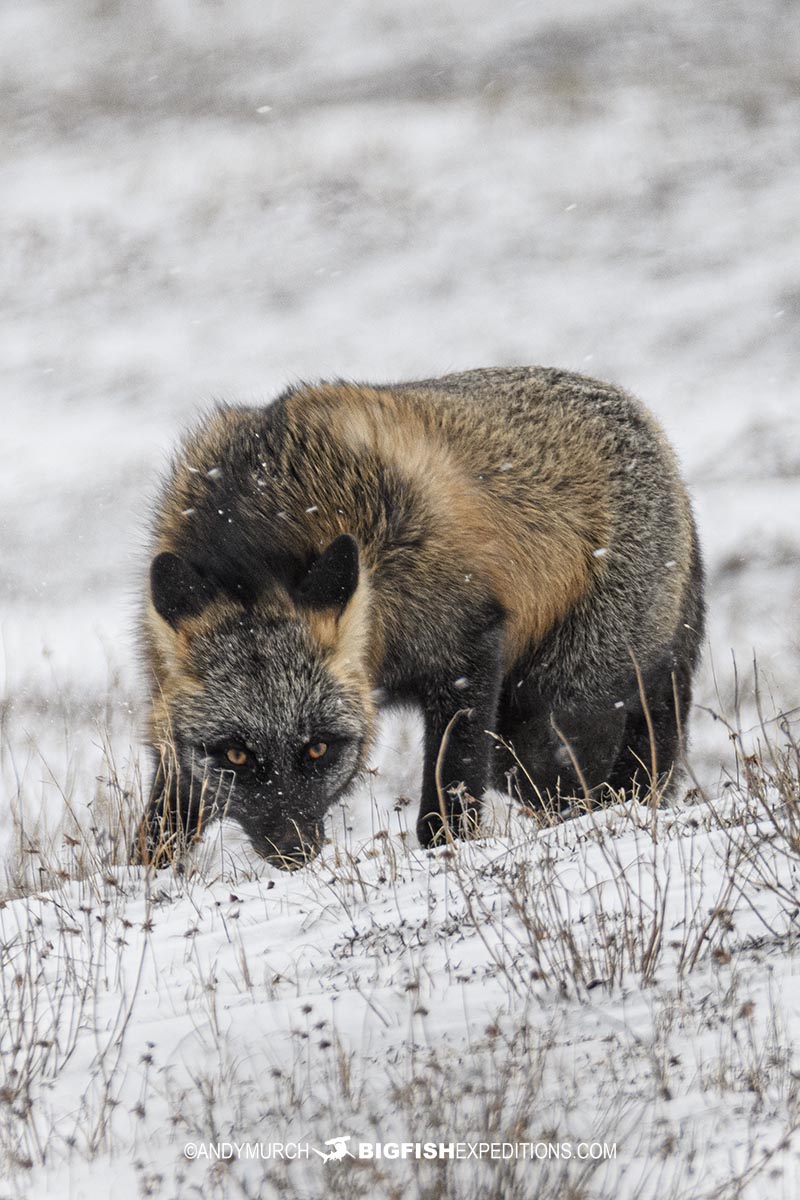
[265, 709]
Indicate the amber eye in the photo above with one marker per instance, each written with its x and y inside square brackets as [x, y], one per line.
[317, 750]
[237, 756]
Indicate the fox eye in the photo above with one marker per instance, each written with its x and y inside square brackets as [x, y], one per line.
[317, 750]
[237, 756]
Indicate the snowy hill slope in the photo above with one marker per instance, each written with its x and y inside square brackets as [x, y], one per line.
[206, 200]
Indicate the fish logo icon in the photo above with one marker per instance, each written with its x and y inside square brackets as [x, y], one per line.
[338, 1149]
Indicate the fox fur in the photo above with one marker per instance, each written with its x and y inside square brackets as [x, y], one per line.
[514, 546]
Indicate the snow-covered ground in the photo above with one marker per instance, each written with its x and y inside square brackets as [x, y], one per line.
[204, 200]
[623, 981]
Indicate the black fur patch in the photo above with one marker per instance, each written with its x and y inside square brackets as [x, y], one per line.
[177, 588]
[333, 577]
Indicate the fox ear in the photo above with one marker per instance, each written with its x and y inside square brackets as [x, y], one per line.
[177, 588]
[331, 580]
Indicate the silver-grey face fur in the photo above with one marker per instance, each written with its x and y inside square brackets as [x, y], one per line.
[265, 689]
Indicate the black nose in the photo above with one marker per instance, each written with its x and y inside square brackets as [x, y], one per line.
[294, 847]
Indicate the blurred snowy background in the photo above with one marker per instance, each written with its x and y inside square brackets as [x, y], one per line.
[204, 199]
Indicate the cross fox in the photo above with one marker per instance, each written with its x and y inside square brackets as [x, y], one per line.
[512, 551]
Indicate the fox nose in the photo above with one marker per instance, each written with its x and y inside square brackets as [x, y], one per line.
[294, 847]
